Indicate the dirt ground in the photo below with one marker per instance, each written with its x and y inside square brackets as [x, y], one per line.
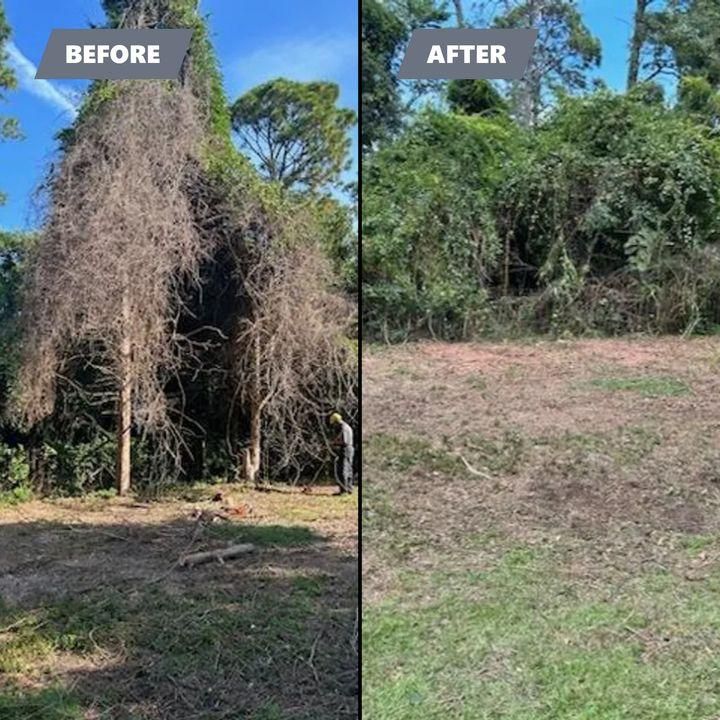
[541, 530]
[98, 621]
[598, 438]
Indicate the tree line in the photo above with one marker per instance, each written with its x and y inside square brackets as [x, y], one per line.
[185, 309]
[552, 204]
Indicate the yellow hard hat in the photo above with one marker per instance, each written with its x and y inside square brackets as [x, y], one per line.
[335, 418]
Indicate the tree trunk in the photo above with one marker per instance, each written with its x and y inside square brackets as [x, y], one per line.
[252, 453]
[251, 459]
[124, 415]
[506, 266]
[459, 17]
[124, 421]
[636, 42]
[529, 90]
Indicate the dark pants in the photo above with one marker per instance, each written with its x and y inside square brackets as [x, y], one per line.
[344, 470]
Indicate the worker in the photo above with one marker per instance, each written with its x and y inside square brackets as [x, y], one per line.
[344, 451]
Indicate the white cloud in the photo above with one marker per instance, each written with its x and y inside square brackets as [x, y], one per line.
[61, 97]
[303, 59]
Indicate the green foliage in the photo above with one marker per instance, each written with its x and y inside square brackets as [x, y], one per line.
[13, 248]
[16, 496]
[564, 53]
[650, 93]
[8, 126]
[77, 467]
[14, 475]
[621, 196]
[382, 34]
[698, 98]
[429, 236]
[684, 36]
[338, 238]
[475, 97]
[602, 219]
[7, 77]
[14, 466]
[205, 74]
[295, 132]
[385, 29]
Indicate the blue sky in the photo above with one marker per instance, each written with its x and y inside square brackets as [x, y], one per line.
[611, 21]
[255, 40]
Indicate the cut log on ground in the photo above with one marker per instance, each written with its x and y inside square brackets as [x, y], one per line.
[220, 555]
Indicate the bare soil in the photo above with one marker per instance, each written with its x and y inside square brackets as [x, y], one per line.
[92, 588]
[609, 446]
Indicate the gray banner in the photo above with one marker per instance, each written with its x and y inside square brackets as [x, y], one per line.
[114, 54]
[465, 53]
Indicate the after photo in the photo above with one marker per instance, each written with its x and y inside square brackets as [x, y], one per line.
[541, 308]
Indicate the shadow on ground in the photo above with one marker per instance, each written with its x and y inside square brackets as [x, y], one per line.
[97, 623]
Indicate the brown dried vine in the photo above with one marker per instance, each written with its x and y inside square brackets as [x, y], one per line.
[292, 359]
[119, 243]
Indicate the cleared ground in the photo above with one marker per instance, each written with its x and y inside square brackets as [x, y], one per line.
[541, 531]
[96, 622]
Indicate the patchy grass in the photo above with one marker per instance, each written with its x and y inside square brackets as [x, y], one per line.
[265, 535]
[403, 453]
[627, 447]
[520, 642]
[406, 372]
[697, 544]
[477, 382]
[576, 576]
[504, 454]
[649, 387]
[98, 623]
[48, 704]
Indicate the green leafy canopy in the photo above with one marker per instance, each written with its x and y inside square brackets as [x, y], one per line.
[295, 132]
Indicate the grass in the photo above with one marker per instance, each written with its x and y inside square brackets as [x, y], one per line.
[577, 577]
[266, 638]
[402, 453]
[167, 637]
[504, 454]
[48, 704]
[522, 642]
[264, 535]
[648, 387]
[696, 544]
[477, 382]
[626, 447]
[405, 372]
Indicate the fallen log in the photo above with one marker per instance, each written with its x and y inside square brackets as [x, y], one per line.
[221, 554]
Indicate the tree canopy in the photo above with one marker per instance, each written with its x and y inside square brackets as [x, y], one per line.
[295, 132]
[382, 35]
[163, 262]
[8, 125]
[580, 210]
[475, 97]
[564, 52]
